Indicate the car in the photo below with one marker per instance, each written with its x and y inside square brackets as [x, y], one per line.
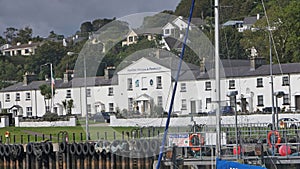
[226, 110]
[102, 117]
[269, 109]
[288, 123]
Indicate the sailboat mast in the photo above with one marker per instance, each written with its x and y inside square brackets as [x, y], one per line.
[217, 76]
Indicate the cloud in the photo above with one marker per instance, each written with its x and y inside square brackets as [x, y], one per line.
[65, 16]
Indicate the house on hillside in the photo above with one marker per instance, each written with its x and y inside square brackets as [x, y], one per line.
[21, 49]
[246, 24]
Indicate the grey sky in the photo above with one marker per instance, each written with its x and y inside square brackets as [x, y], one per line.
[65, 16]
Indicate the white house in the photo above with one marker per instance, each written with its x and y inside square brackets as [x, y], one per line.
[148, 82]
[21, 49]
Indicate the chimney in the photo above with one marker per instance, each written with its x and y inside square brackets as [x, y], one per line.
[109, 72]
[68, 76]
[18, 43]
[28, 78]
[202, 66]
[255, 60]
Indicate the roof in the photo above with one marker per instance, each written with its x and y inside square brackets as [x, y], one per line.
[232, 23]
[23, 46]
[250, 20]
[173, 43]
[76, 82]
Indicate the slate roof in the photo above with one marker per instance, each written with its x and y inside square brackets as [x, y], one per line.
[59, 84]
[250, 20]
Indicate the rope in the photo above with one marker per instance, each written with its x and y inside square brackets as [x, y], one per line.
[175, 86]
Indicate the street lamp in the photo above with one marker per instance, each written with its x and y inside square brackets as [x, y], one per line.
[52, 85]
[85, 91]
[277, 94]
[232, 96]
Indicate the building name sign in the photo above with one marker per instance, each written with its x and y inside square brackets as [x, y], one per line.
[146, 69]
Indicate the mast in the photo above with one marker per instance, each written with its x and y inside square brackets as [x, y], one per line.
[217, 76]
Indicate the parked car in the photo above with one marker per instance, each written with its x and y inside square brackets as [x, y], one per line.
[287, 122]
[269, 109]
[102, 117]
[226, 110]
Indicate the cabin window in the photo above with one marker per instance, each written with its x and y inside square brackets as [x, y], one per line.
[111, 107]
[208, 101]
[167, 31]
[89, 108]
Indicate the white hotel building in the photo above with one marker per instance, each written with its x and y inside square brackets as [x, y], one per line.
[149, 81]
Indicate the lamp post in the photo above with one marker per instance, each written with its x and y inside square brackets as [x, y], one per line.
[277, 94]
[52, 85]
[232, 96]
[85, 96]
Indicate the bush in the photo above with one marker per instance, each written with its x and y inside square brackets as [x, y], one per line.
[51, 117]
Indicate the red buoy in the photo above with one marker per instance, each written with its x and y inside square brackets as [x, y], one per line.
[284, 150]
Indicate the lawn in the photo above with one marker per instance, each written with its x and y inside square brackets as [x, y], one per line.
[33, 134]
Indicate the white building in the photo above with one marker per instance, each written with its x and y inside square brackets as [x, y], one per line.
[21, 49]
[148, 82]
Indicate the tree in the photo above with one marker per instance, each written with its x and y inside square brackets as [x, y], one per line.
[86, 28]
[70, 105]
[23, 35]
[47, 93]
[10, 34]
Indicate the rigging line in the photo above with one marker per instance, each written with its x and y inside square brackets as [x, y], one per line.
[175, 85]
[272, 38]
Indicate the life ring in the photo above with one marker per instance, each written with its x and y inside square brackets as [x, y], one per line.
[195, 141]
[277, 134]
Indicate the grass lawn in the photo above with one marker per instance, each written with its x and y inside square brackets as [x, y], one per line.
[75, 133]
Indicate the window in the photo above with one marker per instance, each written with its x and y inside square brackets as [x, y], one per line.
[29, 111]
[286, 99]
[110, 91]
[129, 84]
[111, 107]
[68, 94]
[7, 97]
[144, 83]
[130, 104]
[260, 100]
[259, 82]
[89, 108]
[17, 96]
[167, 31]
[88, 92]
[183, 87]
[47, 108]
[158, 82]
[26, 50]
[159, 101]
[231, 84]
[285, 81]
[130, 38]
[183, 104]
[208, 101]
[207, 85]
[28, 96]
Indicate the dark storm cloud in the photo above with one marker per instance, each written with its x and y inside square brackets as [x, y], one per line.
[65, 16]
